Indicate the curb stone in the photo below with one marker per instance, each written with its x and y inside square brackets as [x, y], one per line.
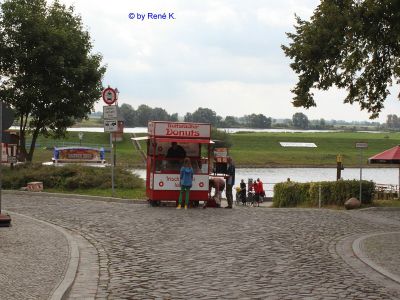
[344, 248]
[358, 251]
[380, 209]
[76, 196]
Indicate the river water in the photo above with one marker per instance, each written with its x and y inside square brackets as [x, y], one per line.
[229, 130]
[270, 176]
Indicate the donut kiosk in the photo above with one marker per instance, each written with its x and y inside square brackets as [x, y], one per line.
[168, 143]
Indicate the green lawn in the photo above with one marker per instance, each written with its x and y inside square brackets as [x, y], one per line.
[263, 149]
[253, 149]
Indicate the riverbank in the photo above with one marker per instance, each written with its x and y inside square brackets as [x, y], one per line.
[251, 150]
[277, 166]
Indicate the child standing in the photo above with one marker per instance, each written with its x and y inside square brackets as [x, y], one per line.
[186, 179]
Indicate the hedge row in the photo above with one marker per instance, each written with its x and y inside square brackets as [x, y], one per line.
[69, 177]
[291, 194]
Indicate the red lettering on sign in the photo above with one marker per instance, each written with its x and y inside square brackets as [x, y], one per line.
[161, 183]
[184, 133]
[201, 184]
[169, 178]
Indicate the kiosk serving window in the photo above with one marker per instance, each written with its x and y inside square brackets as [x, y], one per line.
[169, 156]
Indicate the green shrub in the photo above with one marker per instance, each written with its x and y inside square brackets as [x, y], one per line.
[221, 138]
[69, 177]
[290, 194]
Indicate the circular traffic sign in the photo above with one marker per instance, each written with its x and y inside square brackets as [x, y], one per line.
[109, 96]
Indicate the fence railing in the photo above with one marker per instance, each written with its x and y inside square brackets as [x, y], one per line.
[386, 191]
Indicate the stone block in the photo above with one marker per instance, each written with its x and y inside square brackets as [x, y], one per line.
[36, 186]
[352, 203]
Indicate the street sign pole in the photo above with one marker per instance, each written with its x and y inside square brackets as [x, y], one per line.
[115, 150]
[1, 148]
[110, 96]
[361, 146]
[361, 155]
[112, 164]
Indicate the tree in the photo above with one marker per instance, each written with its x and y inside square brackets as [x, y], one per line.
[392, 122]
[173, 117]
[300, 120]
[129, 114]
[144, 115]
[258, 121]
[352, 44]
[159, 114]
[47, 73]
[230, 122]
[203, 115]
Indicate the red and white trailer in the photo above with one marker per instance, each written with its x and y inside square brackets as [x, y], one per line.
[163, 172]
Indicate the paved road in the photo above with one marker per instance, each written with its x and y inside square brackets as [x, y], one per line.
[246, 253]
[33, 258]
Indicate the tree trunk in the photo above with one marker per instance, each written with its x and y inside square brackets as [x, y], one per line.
[33, 144]
[22, 140]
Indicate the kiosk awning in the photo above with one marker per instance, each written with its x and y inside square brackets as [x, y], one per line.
[179, 140]
[141, 138]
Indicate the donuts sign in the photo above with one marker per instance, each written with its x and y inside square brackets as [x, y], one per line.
[181, 130]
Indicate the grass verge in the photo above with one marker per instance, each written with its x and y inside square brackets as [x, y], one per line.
[385, 203]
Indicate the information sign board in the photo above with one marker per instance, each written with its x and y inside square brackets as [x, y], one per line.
[110, 125]
[110, 112]
[361, 145]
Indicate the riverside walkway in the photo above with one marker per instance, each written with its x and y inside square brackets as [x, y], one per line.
[90, 249]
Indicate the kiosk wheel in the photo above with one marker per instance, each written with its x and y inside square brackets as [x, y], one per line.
[154, 203]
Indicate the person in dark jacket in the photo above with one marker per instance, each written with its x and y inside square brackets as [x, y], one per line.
[230, 181]
[175, 156]
[176, 151]
[243, 192]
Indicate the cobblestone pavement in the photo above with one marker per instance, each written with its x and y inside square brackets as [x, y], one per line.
[33, 258]
[243, 253]
[388, 257]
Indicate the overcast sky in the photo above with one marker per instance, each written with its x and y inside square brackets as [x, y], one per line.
[221, 54]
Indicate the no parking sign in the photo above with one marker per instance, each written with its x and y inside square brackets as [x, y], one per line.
[109, 96]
